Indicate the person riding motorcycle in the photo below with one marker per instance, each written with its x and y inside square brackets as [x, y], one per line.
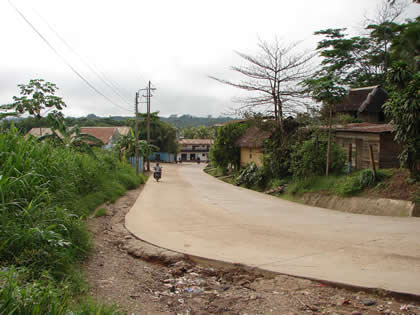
[157, 174]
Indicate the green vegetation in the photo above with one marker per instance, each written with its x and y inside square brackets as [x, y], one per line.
[100, 212]
[252, 176]
[91, 120]
[162, 134]
[198, 132]
[344, 185]
[46, 194]
[225, 152]
[308, 157]
[36, 96]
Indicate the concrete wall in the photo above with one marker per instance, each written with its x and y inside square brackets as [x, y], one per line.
[249, 155]
[379, 206]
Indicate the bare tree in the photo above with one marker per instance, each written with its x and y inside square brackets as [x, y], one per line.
[272, 76]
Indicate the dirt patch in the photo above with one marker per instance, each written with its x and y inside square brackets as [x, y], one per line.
[395, 187]
[144, 279]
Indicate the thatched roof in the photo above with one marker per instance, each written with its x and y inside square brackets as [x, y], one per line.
[360, 99]
[253, 138]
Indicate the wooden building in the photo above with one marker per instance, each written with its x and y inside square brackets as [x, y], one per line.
[252, 145]
[364, 103]
[358, 138]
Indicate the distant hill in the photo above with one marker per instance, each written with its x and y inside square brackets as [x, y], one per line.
[178, 121]
[194, 121]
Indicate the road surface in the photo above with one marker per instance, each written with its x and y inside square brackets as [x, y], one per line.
[194, 213]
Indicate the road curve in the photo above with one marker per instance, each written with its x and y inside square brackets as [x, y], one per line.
[194, 213]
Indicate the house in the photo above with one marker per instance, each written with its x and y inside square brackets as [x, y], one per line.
[108, 135]
[364, 103]
[251, 144]
[192, 149]
[359, 137]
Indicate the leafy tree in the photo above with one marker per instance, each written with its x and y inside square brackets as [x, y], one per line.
[326, 88]
[36, 96]
[126, 144]
[406, 46]
[272, 76]
[162, 134]
[278, 147]
[199, 132]
[403, 107]
[359, 60]
[225, 152]
[308, 157]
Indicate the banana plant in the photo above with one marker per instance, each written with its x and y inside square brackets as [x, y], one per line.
[71, 137]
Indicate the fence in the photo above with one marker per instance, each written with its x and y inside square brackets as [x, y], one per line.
[163, 157]
[132, 161]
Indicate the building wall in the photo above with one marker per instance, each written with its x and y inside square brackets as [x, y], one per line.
[360, 147]
[390, 150]
[192, 152]
[249, 155]
[162, 156]
[192, 156]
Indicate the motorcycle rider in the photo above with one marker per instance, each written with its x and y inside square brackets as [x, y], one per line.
[158, 169]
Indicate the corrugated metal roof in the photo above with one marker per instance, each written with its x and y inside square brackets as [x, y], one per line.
[196, 141]
[103, 133]
[364, 127]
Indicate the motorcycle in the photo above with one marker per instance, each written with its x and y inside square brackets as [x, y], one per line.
[157, 174]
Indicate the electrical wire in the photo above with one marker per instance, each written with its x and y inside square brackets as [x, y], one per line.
[64, 60]
[100, 75]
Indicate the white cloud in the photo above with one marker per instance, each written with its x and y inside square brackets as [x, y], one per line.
[176, 44]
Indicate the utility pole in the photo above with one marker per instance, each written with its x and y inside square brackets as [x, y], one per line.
[137, 131]
[149, 90]
[148, 123]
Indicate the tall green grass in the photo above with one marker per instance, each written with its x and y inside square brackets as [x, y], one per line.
[344, 185]
[46, 194]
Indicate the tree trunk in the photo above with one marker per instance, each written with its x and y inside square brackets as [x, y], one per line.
[329, 143]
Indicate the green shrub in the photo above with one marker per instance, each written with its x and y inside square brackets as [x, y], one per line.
[100, 212]
[309, 158]
[252, 176]
[312, 184]
[356, 182]
[46, 194]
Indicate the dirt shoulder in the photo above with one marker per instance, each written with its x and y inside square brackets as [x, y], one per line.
[143, 279]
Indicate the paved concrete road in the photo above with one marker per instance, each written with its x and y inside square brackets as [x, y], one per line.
[194, 213]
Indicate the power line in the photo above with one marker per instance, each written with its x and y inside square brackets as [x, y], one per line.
[63, 59]
[100, 75]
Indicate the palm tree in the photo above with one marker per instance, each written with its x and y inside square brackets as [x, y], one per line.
[126, 144]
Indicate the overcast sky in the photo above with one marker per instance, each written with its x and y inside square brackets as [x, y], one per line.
[174, 43]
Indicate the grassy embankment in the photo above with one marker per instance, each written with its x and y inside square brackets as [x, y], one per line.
[46, 196]
[358, 183]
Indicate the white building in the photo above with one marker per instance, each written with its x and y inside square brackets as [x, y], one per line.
[194, 149]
